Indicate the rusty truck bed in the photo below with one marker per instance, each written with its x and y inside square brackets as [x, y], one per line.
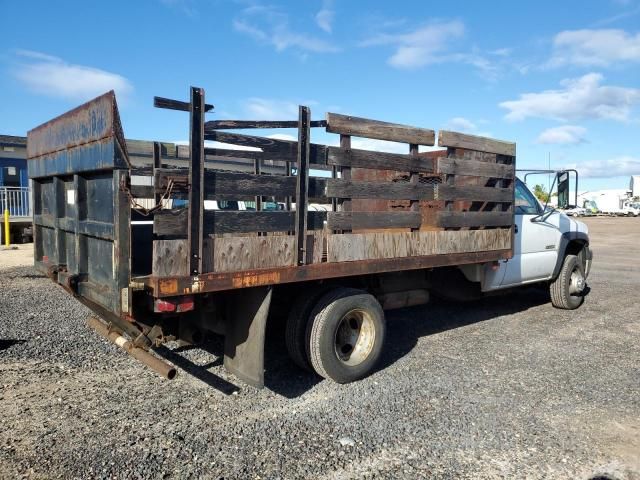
[106, 227]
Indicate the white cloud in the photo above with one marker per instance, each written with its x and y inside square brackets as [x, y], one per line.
[432, 44]
[379, 145]
[580, 98]
[613, 167]
[270, 109]
[464, 125]
[461, 124]
[270, 26]
[423, 46]
[564, 134]
[52, 76]
[371, 144]
[325, 17]
[595, 47]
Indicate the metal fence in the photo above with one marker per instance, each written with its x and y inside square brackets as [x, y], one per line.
[17, 200]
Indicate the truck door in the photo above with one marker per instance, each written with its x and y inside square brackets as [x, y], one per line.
[535, 242]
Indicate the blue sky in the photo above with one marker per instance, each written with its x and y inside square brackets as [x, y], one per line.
[559, 78]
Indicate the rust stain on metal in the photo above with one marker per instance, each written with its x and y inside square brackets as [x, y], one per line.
[254, 280]
[212, 282]
[95, 120]
[168, 287]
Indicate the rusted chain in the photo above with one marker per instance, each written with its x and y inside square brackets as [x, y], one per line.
[139, 208]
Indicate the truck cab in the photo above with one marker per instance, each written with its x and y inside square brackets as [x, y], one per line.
[543, 240]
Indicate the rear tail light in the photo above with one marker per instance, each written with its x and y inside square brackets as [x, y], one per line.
[174, 305]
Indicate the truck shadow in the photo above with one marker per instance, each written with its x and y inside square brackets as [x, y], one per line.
[404, 328]
[214, 347]
[6, 343]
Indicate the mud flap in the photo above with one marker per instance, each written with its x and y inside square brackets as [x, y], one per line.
[244, 334]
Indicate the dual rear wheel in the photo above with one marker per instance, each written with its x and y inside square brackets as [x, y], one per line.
[338, 332]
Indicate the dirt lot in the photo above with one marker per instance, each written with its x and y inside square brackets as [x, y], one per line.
[508, 387]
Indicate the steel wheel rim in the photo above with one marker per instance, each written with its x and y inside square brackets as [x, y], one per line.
[354, 337]
[577, 282]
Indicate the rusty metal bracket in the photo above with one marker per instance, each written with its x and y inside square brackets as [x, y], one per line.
[109, 332]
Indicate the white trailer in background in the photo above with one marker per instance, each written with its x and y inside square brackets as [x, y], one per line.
[609, 202]
[634, 186]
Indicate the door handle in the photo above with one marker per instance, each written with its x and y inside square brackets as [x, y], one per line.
[515, 228]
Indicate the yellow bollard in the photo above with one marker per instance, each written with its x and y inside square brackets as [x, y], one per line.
[6, 228]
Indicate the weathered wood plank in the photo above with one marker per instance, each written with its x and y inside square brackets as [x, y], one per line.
[474, 142]
[316, 243]
[250, 253]
[174, 222]
[377, 160]
[364, 220]
[363, 127]
[240, 124]
[474, 193]
[474, 219]
[341, 188]
[288, 149]
[460, 166]
[231, 153]
[219, 183]
[414, 178]
[170, 258]
[377, 246]
[168, 103]
[234, 254]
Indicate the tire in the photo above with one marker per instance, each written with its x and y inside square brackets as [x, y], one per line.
[298, 325]
[346, 336]
[563, 295]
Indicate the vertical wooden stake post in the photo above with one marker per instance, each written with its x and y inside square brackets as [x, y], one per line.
[302, 184]
[196, 180]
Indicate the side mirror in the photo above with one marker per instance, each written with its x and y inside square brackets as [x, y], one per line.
[563, 190]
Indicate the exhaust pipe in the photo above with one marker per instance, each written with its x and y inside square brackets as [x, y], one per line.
[154, 363]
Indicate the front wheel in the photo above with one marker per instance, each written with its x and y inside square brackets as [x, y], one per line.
[347, 334]
[567, 291]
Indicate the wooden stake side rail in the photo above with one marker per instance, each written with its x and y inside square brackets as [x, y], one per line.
[393, 132]
[233, 254]
[476, 143]
[242, 124]
[285, 150]
[229, 184]
[348, 239]
[173, 223]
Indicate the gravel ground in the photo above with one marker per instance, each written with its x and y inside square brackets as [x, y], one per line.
[507, 387]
